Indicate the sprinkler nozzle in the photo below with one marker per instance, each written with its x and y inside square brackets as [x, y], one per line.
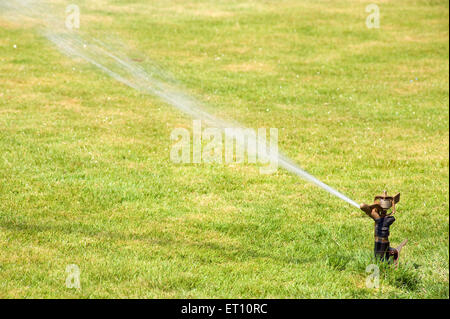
[383, 202]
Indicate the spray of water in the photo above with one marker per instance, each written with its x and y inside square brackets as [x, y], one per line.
[120, 67]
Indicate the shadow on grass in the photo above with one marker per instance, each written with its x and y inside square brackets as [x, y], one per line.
[155, 237]
[405, 276]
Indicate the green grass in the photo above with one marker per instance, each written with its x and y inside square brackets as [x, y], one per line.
[86, 179]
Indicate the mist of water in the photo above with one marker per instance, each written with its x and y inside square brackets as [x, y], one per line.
[118, 66]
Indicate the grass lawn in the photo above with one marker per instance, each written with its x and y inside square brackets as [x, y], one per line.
[86, 176]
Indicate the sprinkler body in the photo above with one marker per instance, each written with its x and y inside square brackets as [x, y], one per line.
[378, 211]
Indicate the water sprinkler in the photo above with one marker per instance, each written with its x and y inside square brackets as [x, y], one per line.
[379, 212]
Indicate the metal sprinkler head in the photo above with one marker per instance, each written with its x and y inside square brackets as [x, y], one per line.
[386, 202]
[382, 204]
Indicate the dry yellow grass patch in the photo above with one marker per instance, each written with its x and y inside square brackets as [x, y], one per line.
[249, 67]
